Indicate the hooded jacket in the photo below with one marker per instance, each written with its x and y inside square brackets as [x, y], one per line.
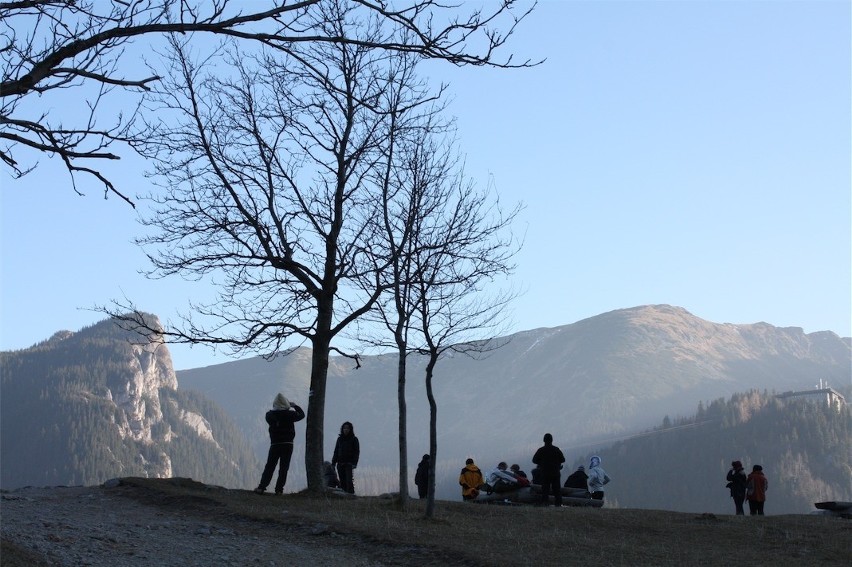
[597, 476]
[470, 480]
[347, 450]
[281, 428]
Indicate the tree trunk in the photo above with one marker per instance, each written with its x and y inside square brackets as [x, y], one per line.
[433, 434]
[314, 453]
[403, 429]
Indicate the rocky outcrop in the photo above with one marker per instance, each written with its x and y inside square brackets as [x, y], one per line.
[104, 402]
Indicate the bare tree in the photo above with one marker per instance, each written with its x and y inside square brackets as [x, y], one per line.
[74, 53]
[268, 170]
[445, 240]
[458, 250]
[419, 162]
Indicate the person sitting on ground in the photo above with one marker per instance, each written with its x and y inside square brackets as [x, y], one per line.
[536, 475]
[470, 480]
[515, 470]
[501, 480]
[329, 475]
[578, 479]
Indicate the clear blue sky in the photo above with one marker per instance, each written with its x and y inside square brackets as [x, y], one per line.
[680, 152]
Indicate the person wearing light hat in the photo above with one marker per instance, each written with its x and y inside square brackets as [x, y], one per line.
[281, 419]
[597, 478]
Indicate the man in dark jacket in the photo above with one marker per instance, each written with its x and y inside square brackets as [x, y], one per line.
[737, 481]
[421, 477]
[549, 459]
[280, 418]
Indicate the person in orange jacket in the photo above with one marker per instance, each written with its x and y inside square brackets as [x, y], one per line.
[470, 480]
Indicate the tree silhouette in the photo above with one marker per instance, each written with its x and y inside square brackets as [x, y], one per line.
[62, 59]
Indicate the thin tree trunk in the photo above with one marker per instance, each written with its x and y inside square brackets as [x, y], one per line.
[433, 435]
[403, 430]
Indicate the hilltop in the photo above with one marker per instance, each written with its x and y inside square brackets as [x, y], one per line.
[181, 522]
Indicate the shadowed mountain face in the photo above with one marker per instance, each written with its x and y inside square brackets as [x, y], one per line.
[84, 407]
[586, 383]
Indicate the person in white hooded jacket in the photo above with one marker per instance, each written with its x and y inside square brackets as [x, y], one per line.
[597, 478]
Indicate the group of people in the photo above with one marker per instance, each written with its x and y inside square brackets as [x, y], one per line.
[501, 479]
[751, 487]
[549, 461]
[281, 419]
[593, 481]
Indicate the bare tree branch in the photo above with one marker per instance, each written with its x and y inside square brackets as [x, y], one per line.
[267, 169]
[51, 45]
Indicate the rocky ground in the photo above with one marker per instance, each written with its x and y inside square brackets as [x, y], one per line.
[182, 522]
[102, 527]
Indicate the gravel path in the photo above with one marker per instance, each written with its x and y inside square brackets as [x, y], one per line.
[100, 527]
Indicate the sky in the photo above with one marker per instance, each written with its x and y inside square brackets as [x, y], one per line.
[688, 153]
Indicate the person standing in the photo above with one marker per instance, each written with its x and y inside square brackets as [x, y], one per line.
[597, 478]
[737, 481]
[347, 450]
[421, 477]
[281, 419]
[549, 459]
[470, 480]
[756, 488]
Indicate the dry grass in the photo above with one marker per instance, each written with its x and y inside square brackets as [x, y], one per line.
[503, 535]
[480, 534]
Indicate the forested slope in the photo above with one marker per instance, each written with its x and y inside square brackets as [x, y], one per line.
[803, 446]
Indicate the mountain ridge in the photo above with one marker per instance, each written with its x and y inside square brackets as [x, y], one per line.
[599, 378]
[588, 383]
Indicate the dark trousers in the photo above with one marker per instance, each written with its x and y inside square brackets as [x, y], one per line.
[345, 474]
[755, 508]
[738, 503]
[550, 482]
[279, 454]
[422, 490]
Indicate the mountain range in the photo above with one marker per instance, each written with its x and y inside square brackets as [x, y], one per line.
[590, 384]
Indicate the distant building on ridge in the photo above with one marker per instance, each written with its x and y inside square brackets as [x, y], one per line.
[822, 393]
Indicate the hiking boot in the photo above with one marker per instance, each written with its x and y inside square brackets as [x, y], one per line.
[259, 490]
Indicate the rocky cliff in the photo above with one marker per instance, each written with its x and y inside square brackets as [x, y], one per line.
[82, 407]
